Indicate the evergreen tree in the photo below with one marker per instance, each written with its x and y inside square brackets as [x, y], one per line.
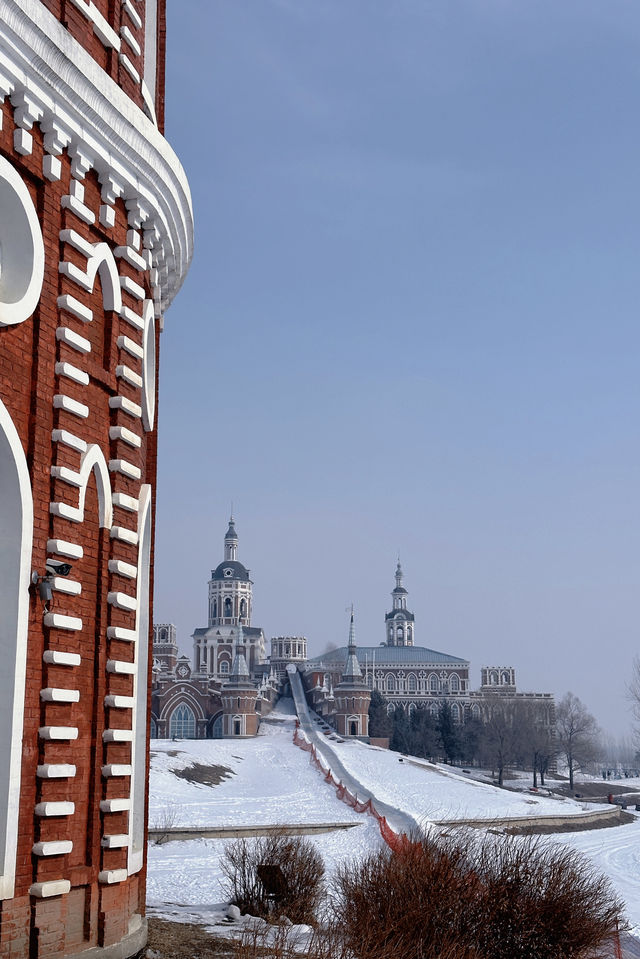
[380, 723]
[449, 733]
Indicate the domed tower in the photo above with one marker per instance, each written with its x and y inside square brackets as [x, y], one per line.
[352, 695]
[230, 608]
[399, 622]
[230, 595]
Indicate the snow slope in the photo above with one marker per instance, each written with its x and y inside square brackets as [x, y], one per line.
[274, 782]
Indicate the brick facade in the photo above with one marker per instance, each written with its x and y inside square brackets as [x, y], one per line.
[78, 462]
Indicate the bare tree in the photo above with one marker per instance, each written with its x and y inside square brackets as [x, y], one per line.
[501, 735]
[633, 694]
[538, 742]
[577, 733]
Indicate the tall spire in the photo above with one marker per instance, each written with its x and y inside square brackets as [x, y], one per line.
[352, 669]
[231, 541]
[399, 574]
[239, 670]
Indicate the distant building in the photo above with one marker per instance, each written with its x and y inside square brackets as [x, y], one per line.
[190, 700]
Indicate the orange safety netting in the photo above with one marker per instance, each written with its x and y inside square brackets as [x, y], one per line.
[395, 841]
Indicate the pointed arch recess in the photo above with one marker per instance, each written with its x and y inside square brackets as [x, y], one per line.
[103, 262]
[93, 461]
[16, 536]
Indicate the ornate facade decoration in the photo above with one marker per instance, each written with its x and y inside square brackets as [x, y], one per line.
[95, 240]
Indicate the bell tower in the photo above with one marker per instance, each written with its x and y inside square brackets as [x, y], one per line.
[399, 622]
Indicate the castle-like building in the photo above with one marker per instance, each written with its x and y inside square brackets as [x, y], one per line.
[197, 699]
[96, 237]
[228, 684]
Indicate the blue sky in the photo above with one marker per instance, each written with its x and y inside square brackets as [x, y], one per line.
[411, 325]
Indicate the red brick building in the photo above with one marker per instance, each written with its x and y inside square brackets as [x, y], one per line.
[95, 239]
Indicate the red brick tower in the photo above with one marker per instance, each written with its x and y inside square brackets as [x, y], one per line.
[95, 239]
[352, 695]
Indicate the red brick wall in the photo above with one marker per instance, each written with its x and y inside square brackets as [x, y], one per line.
[92, 913]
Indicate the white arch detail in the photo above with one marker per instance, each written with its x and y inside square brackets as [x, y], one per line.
[21, 249]
[16, 537]
[135, 859]
[102, 261]
[93, 461]
[149, 366]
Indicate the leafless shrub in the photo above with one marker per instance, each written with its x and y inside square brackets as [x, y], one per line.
[299, 864]
[163, 824]
[495, 898]
[539, 900]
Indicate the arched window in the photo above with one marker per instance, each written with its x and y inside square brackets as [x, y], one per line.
[391, 684]
[455, 712]
[493, 677]
[391, 709]
[412, 708]
[454, 682]
[243, 607]
[433, 683]
[227, 606]
[433, 708]
[409, 634]
[400, 635]
[391, 634]
[153, 729]
[163, 634]
[215, 609]
[183, 723]
[506, 678]
[412, 683]
[224, 667]
[217, 727]
[475, 711]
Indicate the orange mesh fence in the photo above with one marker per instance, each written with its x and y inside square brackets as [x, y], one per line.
[395, 841]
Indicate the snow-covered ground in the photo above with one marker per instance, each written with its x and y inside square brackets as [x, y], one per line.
[272, 781]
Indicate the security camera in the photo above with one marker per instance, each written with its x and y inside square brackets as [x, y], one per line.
[55, 568]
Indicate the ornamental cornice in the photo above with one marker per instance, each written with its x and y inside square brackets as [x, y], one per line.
[54, 83]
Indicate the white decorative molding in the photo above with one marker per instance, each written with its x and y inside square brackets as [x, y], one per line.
[141, 661]
[132, 13]
[55, 887]
[73, 339]
[128, 345]
[117, 735]
[69, 405]
[58, 657]
[101, 27]
[120, 568]
[58, 847]
[126, 405]
[122, 601]
[119, 632]
[121, 668]
[115, 805]
[75, 307]
[54, 695]
[129, 376]
[58, 621]
[126, 468]
[132, 318]
[119, 702]
[114, 770]
[55, 809]
[111, 876]
[74, 442]
[58, 733]
[131, 256]
[124, 535]
[132, 288]
[128, 437]
[21, 247]
[56, 771]
[69, 586]
[149, 367]
[102, 124]
[16, 523]
[72, 373]
[116, 841]
[93, 461]
[129, 38]
[76, 206]
[63, 548]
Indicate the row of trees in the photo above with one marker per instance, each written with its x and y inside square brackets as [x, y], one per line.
[511, 733]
